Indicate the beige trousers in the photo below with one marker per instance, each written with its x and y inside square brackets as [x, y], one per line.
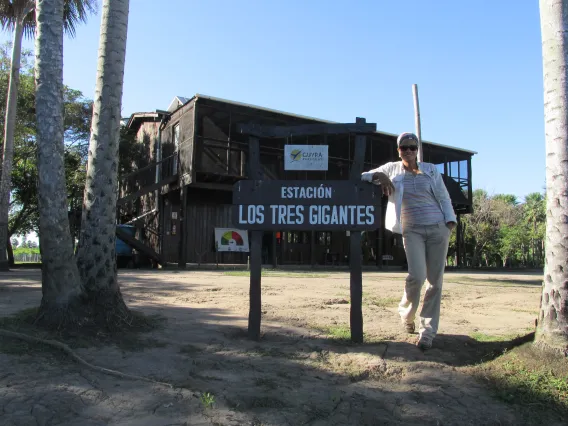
[426, 247]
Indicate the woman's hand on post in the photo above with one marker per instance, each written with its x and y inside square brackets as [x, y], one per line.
[385, 182]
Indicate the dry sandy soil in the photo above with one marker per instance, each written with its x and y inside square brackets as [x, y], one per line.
[302, 372]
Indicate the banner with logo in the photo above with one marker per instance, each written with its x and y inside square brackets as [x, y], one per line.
[305, 157]
[230, 239]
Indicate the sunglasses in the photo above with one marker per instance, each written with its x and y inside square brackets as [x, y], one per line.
[408, 147]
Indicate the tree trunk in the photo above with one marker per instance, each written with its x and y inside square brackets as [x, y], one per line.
[10, 121]
[552, 330]
[10, 250]
[60, 278]
[96, 255]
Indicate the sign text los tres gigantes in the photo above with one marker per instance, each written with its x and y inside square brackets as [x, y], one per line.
[299, 205]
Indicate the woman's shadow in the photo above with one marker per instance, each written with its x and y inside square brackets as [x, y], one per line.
[453, 349]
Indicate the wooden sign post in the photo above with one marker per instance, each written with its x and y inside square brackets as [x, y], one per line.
[349, 205]
[255, 172]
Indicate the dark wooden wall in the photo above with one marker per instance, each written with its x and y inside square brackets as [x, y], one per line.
[184, 118]
[211, 153]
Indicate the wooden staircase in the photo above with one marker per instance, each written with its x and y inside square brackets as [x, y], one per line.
[154, 177]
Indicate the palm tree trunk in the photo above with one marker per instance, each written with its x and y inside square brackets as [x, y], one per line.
[11, 260]
[61, 287]
[552, 330]
[10, 124]
[96, 254]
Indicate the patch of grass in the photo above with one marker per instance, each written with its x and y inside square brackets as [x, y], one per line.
[534, 379]
[497, 282]
[207, 400]
[341, 301]
[273, 352]
[525, 311]
[482, 337]
[381, 302]
[340, 333]
[272, 273]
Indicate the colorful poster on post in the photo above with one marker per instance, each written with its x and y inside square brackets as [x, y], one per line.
[230, 239]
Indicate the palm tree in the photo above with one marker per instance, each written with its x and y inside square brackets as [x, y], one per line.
[61, 286]
[96, 251]
[19, 16]
[535, 215]
[552, 326]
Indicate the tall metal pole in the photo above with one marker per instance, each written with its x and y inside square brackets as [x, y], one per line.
[417, 120]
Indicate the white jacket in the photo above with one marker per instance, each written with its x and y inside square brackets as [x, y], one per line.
[395, 172]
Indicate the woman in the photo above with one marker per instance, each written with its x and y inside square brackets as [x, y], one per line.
[420, 209]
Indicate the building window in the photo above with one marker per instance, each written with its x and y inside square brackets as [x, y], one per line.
[175, 138]
[297, 237]
[323, 238]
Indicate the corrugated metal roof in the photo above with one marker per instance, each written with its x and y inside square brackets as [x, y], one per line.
[177, 102]
[317, 119]
[182, 100]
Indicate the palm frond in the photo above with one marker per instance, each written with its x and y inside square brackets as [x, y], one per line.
[11, 10]
[74, 12]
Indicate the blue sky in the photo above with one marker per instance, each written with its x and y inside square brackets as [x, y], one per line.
[477, 64]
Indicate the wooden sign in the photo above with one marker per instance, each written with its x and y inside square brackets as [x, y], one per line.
[341, 205]
[301, 205]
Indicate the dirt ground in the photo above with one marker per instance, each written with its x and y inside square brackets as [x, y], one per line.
[302, 372]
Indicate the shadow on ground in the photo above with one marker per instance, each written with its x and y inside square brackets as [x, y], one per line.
[291, 376]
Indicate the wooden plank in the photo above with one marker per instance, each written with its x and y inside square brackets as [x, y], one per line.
[355, 255]
[358, 158]
[255, 172]
[469, 184]
[145, 190]
[182, 256]
[262, 131]
[313, 249]
[274, 245]
[458, 242]
[213, 186]
[356, 288]
[194, 147]
[380, 245]
[138, 245]
[255, 286]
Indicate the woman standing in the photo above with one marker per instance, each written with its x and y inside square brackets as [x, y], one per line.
[420, 209]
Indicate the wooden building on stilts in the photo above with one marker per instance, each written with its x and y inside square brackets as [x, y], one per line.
[195, 155]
